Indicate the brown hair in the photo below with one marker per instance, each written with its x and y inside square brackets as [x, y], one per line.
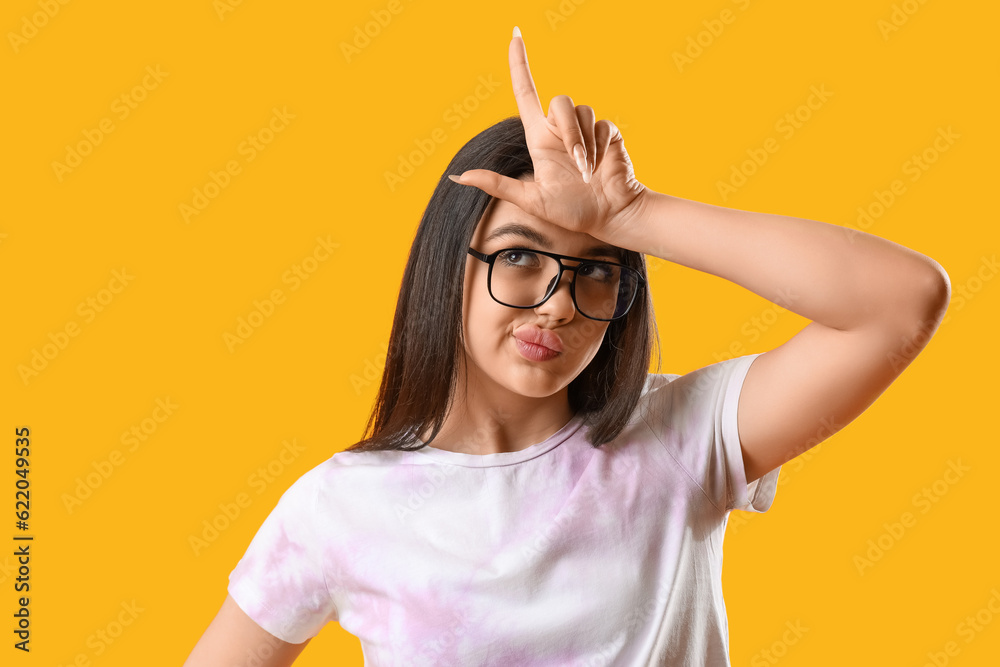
[426, 342]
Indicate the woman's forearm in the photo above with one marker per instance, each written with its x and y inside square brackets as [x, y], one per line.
[843, 279]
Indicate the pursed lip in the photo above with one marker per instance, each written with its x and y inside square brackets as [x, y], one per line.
[538, 336]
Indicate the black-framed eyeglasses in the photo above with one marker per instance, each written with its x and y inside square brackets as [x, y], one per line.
[527, 278]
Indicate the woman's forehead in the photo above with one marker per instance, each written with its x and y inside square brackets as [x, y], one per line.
[502, 214]
[505, 224]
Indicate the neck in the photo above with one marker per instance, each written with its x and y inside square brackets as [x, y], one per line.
[485, 420]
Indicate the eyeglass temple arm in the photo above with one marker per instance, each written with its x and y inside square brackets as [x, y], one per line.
[482, 257]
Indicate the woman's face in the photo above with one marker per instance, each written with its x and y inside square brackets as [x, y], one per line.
[498, 354]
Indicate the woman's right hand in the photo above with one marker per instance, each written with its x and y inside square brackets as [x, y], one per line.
[583, 177]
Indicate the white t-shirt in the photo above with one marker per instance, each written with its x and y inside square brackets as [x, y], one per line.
[558, 554]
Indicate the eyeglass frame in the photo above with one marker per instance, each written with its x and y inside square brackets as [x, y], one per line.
[490, 259]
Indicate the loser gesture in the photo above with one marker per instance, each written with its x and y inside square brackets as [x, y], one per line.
[583, 178]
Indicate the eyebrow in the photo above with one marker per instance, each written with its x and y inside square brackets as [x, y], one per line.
[514, 229]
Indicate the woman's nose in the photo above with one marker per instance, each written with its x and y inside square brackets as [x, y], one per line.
[560, 304]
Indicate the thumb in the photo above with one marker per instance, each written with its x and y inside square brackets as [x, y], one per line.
[493, 184]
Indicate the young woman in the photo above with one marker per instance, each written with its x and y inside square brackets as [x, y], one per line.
[530, 494]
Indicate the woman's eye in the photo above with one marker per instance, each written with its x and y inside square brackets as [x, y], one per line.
[519, 258]
[601, 272]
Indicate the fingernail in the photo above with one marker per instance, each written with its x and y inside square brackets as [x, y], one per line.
[517, 31]
[457, 179]
[581, 158]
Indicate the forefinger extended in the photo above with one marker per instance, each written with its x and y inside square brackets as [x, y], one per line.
[528, 105]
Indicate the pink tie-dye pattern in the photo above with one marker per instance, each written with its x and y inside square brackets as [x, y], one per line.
[561, 554]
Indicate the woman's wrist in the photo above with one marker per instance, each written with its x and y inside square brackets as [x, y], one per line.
[633, 228]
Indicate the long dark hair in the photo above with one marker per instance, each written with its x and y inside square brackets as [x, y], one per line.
[423, 356]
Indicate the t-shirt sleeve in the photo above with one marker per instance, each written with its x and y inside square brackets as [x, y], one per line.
[694, 416]
[280, 581]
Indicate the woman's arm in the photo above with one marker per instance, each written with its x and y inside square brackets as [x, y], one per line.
[873, 304]
[233, 639]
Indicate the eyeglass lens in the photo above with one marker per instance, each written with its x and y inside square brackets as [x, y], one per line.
[523, 278]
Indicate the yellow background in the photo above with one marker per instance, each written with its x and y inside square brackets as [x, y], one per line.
[301, 375]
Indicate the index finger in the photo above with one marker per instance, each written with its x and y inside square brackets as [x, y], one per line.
[528, 105]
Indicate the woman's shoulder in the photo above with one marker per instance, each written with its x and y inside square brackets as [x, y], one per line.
[655, 381]
[346, 465]
[338, 479]
[700, 382]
